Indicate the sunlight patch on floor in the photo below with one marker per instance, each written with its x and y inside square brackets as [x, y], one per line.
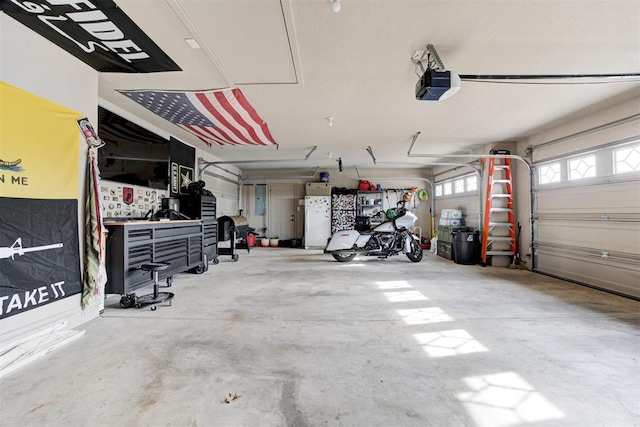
[448, 343]
[394, 284]
[421, 316]
[505, 399]
[405, 296]
[495, 400]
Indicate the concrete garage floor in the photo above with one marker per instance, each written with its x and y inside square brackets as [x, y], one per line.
[306, 341]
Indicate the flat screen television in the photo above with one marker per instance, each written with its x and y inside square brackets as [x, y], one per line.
[131, 154]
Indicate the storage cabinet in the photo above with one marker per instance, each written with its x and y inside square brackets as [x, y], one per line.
[445, 232]
[445, 250]
[445, 240]
[204, 208]
[131, 244]
[343, 209]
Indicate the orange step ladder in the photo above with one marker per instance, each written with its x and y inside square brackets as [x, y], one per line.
[499, 230]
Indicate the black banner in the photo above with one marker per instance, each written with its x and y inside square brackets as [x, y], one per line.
[39, 255]
[97, 32]
[182, 160]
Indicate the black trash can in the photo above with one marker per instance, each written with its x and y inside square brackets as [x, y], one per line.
[466, 247]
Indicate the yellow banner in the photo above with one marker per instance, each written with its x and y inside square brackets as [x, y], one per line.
[39, 147]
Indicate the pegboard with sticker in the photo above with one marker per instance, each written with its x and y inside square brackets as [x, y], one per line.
[124, 200]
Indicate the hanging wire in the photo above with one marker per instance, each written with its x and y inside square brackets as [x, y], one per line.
[512, 82]
[528, 79]
[433, 62]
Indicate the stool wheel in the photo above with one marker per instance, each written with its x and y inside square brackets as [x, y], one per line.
[128, 301]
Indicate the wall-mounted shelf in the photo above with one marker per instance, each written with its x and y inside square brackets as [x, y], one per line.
[369, 202]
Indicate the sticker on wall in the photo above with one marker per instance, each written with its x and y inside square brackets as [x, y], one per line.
[127, 195]
[175, 178]
[89, 133]
[186, 178]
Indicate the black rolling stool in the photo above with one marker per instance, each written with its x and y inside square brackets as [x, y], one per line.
[156, 297]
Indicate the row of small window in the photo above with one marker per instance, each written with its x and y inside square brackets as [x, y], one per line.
[465, 184]
[625, 160]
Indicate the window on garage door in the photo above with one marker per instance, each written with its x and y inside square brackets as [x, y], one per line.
[458, 186]
[587, 217]
[582, 167]
[549, 173]
[626, 159]
[460, 193]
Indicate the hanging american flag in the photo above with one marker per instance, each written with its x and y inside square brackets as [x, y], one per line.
[219, 117]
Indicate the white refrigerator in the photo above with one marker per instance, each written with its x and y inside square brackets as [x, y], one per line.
[317, 221]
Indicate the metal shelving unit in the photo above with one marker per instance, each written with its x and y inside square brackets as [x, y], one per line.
[369, 203]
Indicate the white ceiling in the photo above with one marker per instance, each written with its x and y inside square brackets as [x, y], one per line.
[298, 63]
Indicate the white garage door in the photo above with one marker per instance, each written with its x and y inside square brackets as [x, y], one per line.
[587, 217]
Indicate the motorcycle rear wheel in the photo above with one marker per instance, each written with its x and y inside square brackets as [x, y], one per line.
[416, 252]
[343, 257]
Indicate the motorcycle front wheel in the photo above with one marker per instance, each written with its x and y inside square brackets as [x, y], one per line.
[343, 257]
[416, 252]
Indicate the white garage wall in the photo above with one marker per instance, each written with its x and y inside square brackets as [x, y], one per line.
[472, 204]
[248, 205]
[36, 65]
[349, 178]
[260, 223]
[469, 203]
[226, 192]
[614, 123]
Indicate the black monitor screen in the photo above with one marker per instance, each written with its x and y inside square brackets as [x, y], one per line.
[131, 154]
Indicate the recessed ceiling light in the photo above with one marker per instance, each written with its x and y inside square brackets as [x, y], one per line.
[193, 43]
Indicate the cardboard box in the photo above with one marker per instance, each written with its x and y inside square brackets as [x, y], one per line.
[317, 189]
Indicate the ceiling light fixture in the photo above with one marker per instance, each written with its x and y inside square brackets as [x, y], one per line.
[336, 6]
[193, 43]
